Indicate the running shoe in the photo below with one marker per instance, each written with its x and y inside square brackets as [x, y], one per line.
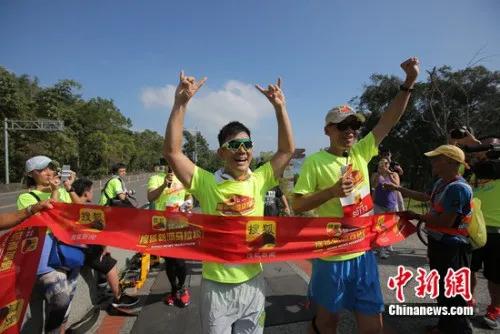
[170, 299]
[125, 301]
[492, 317]
[184, 297]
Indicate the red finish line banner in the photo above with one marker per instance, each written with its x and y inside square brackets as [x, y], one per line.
[221, 238]
[181, 235]
[18, 249]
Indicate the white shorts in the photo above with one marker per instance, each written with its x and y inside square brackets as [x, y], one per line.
[233, 308]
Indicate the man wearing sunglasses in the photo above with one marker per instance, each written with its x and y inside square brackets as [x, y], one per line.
[335, 183]
[232, 295]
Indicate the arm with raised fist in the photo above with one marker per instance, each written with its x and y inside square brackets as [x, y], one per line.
[397, 107]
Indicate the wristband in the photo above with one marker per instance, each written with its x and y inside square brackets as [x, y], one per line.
[405, 89]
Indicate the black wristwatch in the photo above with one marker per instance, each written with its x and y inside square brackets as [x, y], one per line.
[405, 89]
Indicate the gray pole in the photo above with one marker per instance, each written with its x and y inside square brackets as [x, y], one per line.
[6, 142]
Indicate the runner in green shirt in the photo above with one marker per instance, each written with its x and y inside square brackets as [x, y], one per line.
[166, 192]
[233, 190]
[335, 183]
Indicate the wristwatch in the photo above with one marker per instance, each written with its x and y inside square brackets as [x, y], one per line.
[405, 89]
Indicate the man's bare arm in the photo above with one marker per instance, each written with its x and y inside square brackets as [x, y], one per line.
[397, 107]
[172, 148]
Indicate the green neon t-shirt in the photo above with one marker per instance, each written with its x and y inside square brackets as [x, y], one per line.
[488, 191]
[322, 170]
[113, 189]
[173, 196]
[228, 197]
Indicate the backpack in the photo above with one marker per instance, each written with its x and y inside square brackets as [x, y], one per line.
[116, 201]
[477, 226]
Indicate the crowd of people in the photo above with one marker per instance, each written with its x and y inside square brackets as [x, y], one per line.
[233, 295]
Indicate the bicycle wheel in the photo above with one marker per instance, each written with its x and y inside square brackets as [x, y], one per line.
[422, 232]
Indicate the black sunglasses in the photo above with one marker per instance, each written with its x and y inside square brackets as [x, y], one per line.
[353, 125]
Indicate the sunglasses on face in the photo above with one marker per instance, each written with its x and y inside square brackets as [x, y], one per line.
[353, 125]
[235, 144]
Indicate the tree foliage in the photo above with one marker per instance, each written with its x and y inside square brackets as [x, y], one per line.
[445, 100]
[96, 134]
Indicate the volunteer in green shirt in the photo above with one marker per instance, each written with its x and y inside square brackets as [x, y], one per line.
[232, 295]
[166, 192]
[348, 281]
[58, 286]
[488, 257]
[115, 189]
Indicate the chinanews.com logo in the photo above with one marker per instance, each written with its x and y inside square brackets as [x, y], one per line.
[456, 283]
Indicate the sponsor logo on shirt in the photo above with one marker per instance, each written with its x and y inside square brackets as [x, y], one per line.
[236, 205]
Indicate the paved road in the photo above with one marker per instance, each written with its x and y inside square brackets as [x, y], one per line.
[136, 182]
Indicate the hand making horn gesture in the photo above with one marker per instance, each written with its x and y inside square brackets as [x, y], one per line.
[188, 86]
[274, 94]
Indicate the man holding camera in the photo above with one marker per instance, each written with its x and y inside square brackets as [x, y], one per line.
[114, 192]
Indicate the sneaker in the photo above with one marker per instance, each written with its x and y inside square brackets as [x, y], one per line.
[184, 297]
[492, 317]
[384, 253]
[170, 299]
[125, 301]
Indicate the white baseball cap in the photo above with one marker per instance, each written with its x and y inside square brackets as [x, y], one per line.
[37, 162]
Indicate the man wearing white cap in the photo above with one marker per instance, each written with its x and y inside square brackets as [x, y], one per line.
[447, 221]
[335, 182]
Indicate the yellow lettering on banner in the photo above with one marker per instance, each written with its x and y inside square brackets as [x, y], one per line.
[13, 315]
[162, 237]
[12, 246]
[261, 233]
[179, 236]
[91, 217]
[171, 236]
[9, 255]
[159, 223]
[6, 265]
[144, 239]
[16, 236]
[153, 238]
[188, 235]
[196, 234]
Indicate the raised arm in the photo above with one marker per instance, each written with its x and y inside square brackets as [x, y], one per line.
[286, 146]
[172, 147]
[397, 107]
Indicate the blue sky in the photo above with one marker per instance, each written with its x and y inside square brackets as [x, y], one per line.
[132, 51]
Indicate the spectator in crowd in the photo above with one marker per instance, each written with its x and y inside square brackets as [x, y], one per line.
[395, 167]
[57, 285]
[96, 256]
[275, 203]
[232, 296]
[447, 221]
[488, 257]
[384, 200]
[166, 192]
